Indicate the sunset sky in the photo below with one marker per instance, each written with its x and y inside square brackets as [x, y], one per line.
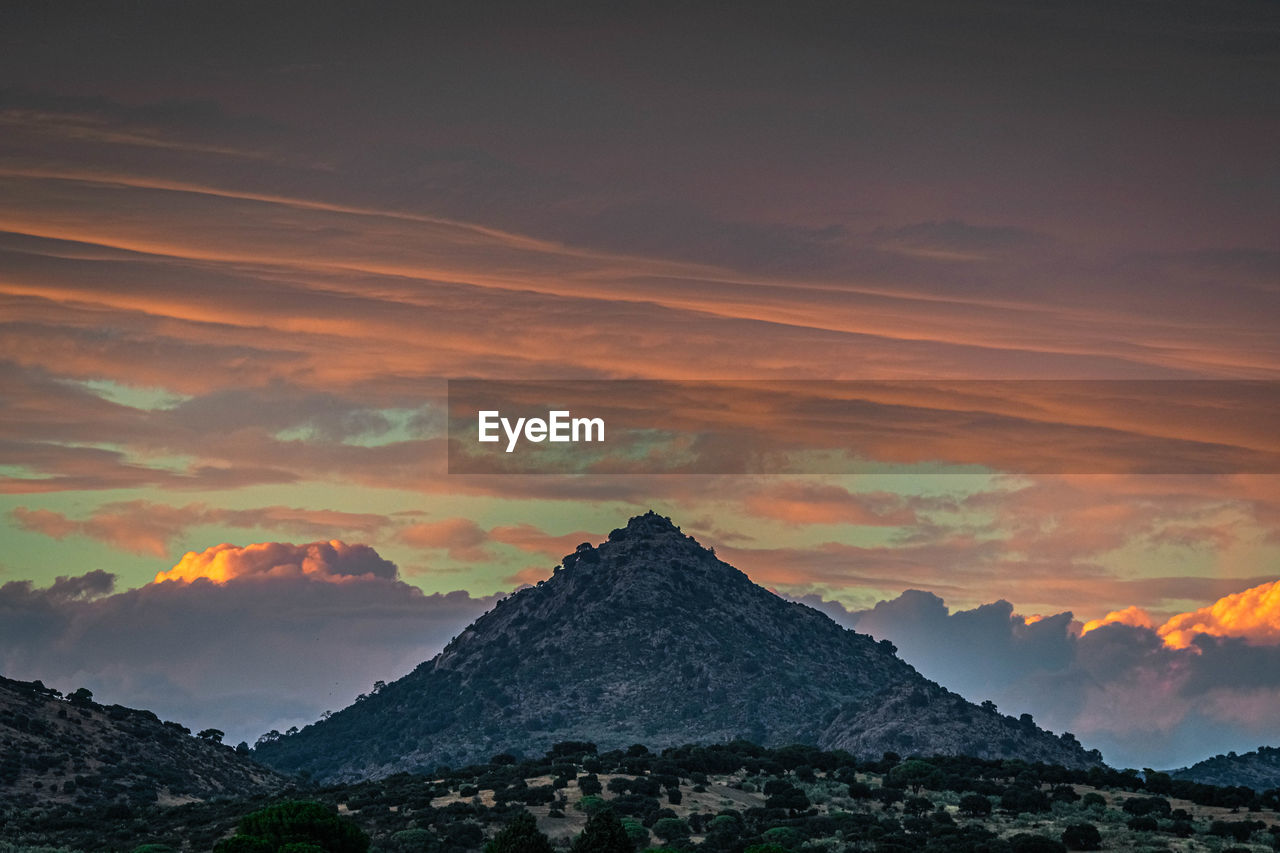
[243, 247]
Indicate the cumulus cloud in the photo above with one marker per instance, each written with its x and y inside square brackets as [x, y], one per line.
[1253, 614]
[246, 640]
[1132, 615]
[324, 561]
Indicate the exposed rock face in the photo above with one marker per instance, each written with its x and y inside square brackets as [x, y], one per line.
[650, 639]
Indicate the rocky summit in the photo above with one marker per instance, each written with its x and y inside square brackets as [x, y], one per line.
[649, 638]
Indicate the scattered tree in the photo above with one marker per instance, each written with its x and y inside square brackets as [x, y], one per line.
[295, 826]
[520, 835]
[602, 834]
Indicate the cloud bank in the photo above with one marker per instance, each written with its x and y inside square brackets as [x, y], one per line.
[1205, 682]
[244, 639]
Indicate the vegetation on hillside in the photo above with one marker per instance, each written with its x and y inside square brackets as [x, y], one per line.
[725, 798]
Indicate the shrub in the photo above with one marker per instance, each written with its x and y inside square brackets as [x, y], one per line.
[1026, 842]
[975, 805]
[1082, 836]
[1093, 800]
[1143, 823]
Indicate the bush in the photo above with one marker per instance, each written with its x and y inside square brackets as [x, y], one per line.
[975, 805]
[1139, 806]
[1082, 836]
[1093, 800]
[1026, 842]
[1143, 823]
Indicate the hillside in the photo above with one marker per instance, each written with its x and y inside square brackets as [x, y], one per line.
[649, 638]
[1259, 770]
[56, 751]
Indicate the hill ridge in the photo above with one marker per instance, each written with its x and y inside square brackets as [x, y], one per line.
[75, 750]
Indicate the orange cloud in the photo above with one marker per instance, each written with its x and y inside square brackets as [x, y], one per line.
[1132, 615]
[462, 538]
[333, 561]
[1253, 614]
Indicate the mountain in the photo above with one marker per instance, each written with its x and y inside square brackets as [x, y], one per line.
[649, 638]
[1259, 770]
[74, 751]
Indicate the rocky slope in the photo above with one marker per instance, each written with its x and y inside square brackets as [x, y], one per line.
[649, 638]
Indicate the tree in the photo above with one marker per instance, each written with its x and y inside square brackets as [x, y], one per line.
[81, 697]
[1017, 799]
[671, 829]
[784, 795]
[917, 805]
[214, 735]
[521, 835]
[295, 826]
[602, 834]
[636, 831]
[975, 805]
[916, 774]
[591, 804]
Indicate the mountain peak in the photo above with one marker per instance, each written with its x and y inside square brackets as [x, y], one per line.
[646, 526]
[650, 638]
